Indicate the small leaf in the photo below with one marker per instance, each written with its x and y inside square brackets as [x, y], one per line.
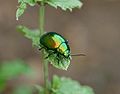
[23, 6]
[68, 86]
[33, 35]
[30, 2]
[65, 4]
[20, 10]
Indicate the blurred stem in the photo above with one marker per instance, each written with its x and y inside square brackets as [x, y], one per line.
[41, 27]
[41, 18]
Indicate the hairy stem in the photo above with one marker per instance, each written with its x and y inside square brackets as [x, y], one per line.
[41, 27]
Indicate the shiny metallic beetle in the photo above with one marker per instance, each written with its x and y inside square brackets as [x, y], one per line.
[54, 43]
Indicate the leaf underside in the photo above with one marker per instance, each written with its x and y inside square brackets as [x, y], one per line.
[22, 7]
[65, 85]
[63, 4]
[68, 86]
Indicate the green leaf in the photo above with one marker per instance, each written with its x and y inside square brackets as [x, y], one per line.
[23, 6]
[11, 69]
[30, 2]
[33, 35]
[20, 10]
[68, 86]
[65, 4]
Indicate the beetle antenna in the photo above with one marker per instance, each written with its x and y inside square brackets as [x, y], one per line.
[78, 55]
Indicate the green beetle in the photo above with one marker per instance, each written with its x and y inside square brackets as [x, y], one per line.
[57, 49]
[55, 44]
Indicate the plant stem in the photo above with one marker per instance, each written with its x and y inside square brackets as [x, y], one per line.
[41, 28]
[41, 18]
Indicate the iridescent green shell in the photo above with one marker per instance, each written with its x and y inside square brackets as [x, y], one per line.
[55, 42]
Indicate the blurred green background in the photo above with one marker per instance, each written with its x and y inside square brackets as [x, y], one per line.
[93, 30]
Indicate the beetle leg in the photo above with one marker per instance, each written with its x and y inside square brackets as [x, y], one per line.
[58, 59]
[49, 55]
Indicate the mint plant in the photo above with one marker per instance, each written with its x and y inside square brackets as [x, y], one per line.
[57, 85]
